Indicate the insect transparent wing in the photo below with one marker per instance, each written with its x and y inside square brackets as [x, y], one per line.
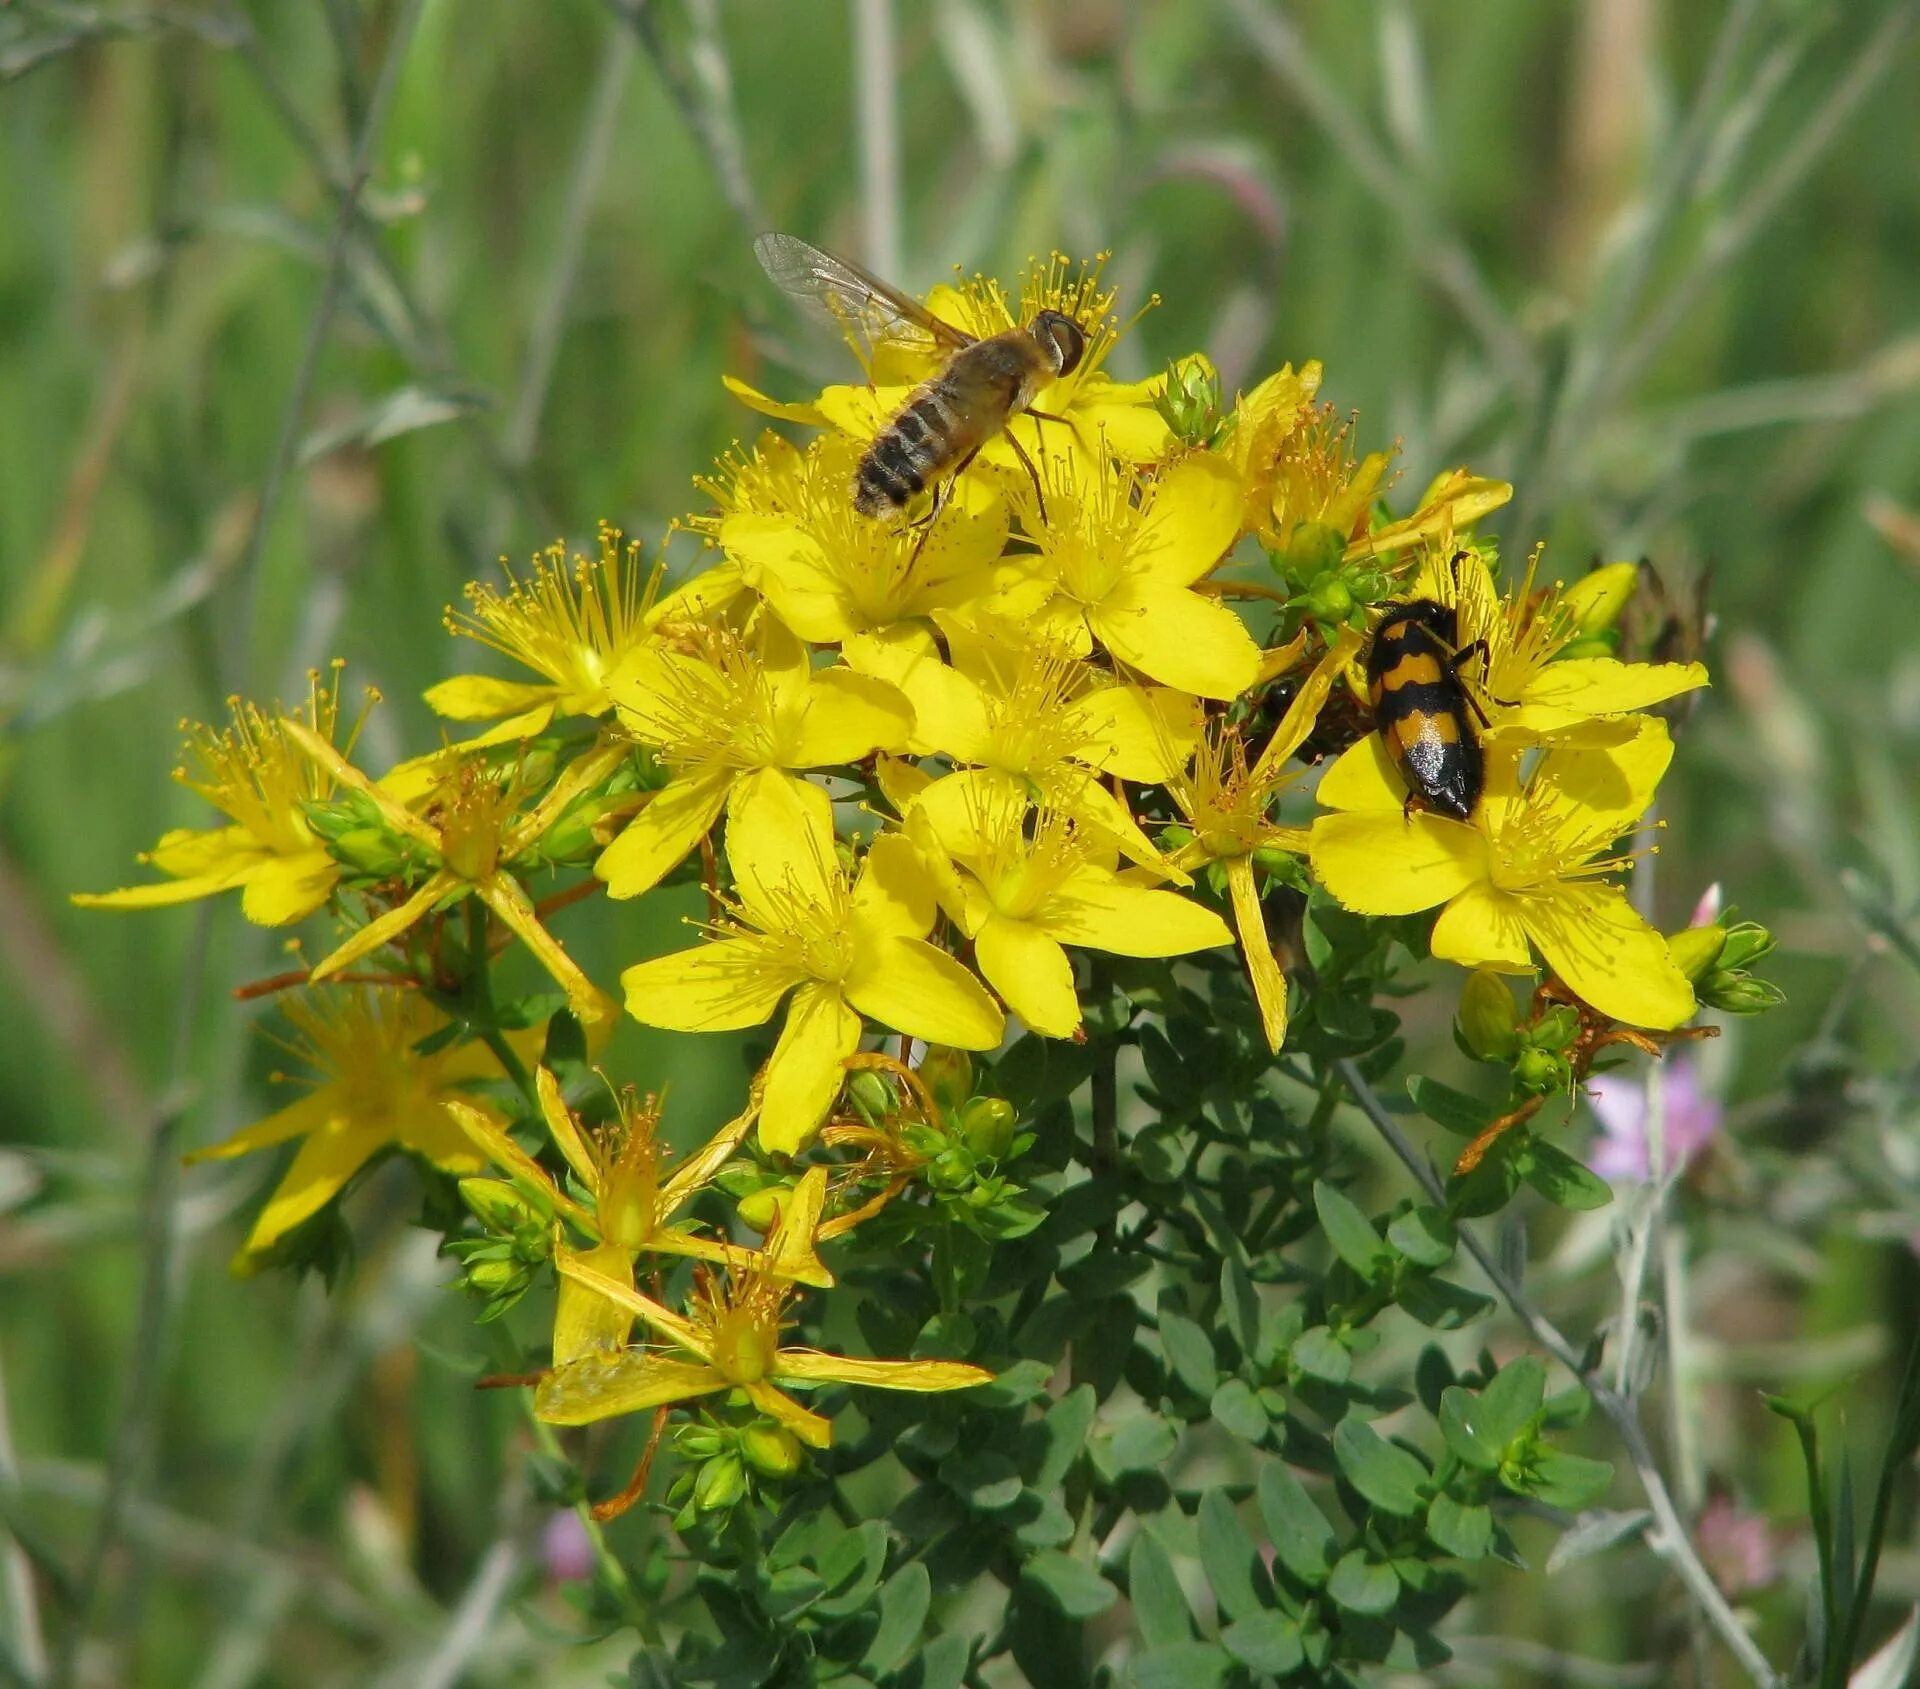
[849, 296]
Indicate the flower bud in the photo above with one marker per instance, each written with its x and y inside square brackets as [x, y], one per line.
[1738, 993]
[1747, 941]
[771, 1450]
[1598, 598]
[1190, 402]
[1696, 950]
[1175, 838]
[721, 1483]
[871, 1094]
[1555, 1029]
[1313, 550]
[948, 1074]
[369, 850]
[950, 1170]
[497, 1278]
[987, 1125]
[1489, 1020]
[1539, 1070]
[759, 1209]
[499, 1206]
[1330, 599]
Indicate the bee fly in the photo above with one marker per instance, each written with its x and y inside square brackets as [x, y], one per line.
[1421, 706]
[983, 385]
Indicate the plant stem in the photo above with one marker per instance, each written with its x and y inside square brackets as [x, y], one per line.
[1673, 1542]
[480, 1001]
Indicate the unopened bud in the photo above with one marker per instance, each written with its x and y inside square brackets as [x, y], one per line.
[950, 1170]
[759, 1209]
[1313, 548]
[987, 1125]
[369, 850]
[1747, 942]
[1738, 993]
[721, 1483]
[1489, 1019]
[496, 1278]
[1175, 838]
[771, 1450]
[1695, 950]
[1540, 1071]
[1330, 599]
[1597, 599]
[1555, 1029]
[871, 1094]
[1190, 402]
[499, 1206]
[948, 1074]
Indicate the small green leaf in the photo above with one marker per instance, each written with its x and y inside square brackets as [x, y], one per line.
[1266, 1642]
[1463, 1529]
[1564, 1181]
[1318, 1353]
[1189, 1352]
[1361, 1585]
[1302, 1539]
[1142, 1442]
[852, 1568]
[1237, 1410]
[1567, 1480]
[1350, 1232]
[985, 1478]
[1479, 1427]
[1182, 1665]
[1239, 1305]
[1425, 1235]
[1386, 1475]
[1063, 1434]
[1071, 1585]
[1454, 1111]
[903, 1603]
[1441, 1305]
[1227, 1555]
[1159, 1605]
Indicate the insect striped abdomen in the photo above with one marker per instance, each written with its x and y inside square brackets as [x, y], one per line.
[941, 424]
[1420, 708]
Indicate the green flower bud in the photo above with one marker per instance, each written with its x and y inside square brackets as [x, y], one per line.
[1747, 941]
[1489, 1019]
[948, 1074]
[1598, 598]
[1738, 993]
[499, 1206]
[759, 1209]
[987, 1125]
[771, 1450]
[370, 850]
[721, 1483]
[1695, 950]
[1329, 599]
[1555, 1029]
[497, 1278]
[1313, 552]
[950, 1170]
[1175, 838]
[1190, 403]
[1540, 1071]
[872, 1095]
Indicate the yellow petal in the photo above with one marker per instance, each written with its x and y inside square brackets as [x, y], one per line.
[1363, 777]
[1031, 972]
[657, 840]
[780, 846]
[1482, 928]
[1138, 732]
[564, 1132]
[848, 716]
[1130, 430]
[1177, 637]
[811, 1428]
[1269, 982]
[1099, 912]
[676, 1328]
[812, 1367]
[584, 1321]
[722, 985]
[480, 697]
[1603, 792]
[596, 1387]
[949, 713]
[894, 896]
[1387, 864]
[327, 756]
[388, 926]
[806, 1069]
[289, 888]
[309, 1114]
[508, 899]
[754, 399]
[1190, 525]
[328, 1158]
[162, 894]
[1593, 939]
[1577, 687]
[912, 987]
[1076, 792]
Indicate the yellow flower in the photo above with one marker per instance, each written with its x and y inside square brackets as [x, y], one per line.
[1117, 561]
[1021, 894]
[1524, 875]
[1035, 720]
[831, 573]
[1228, 805]
[571, 621]
[1257, 439]
[257, 774]
[844, 949]
[374, 1090]
[629, 1207]
[718, 706]
[729, 1340]
[479, 832]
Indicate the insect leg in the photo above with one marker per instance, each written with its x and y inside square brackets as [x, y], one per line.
[941, 494]
[1033, 474]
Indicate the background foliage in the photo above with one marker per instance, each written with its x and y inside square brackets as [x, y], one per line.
[1653, 263]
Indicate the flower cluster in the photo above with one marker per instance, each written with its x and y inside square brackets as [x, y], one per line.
[925, 772]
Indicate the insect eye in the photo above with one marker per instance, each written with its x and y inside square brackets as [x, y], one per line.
[1068, 341]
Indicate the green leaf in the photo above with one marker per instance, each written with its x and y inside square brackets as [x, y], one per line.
[1239, 1305]
[1463, 1529]
[1043, 1521]
[986, 1479]
[1425, 1235]
[1062, 1435]
[1453, 1111]
[1567, 1480]
[1227, 1555]
[1350, 1232]
[1071, 1585]
[1142, 1442]
[1237, 1410]
[1564, 1181]
[1159, 1605]
[904, 1600]
[1440, 1304]
[1023, 1382]
[1386, 1475]
[1318, 1353]
[1189, 1351]
[851, 1569]
[1266, 1642]
[1361, 1585]
[1182, 1665]
[1302, 1539]
[1479, 1427]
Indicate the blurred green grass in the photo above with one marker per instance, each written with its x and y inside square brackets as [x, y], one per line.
[163, 235]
